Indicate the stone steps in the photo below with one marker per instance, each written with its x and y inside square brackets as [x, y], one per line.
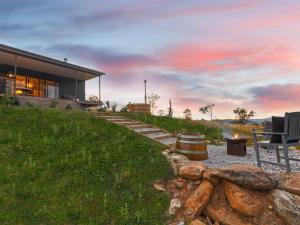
[146, 130]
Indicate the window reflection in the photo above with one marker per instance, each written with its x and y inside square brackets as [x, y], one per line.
[36, 87]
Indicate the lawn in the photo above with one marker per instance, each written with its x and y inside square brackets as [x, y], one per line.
[176, 126]
[72, 168]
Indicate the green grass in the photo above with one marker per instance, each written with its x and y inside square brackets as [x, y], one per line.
[177, 126]
[71, 168]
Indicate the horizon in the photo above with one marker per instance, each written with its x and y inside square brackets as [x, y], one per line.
[230, 53]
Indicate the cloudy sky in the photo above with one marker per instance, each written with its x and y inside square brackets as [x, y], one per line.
[234, 53]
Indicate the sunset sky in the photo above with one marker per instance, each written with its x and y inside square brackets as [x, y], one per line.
[227, 52]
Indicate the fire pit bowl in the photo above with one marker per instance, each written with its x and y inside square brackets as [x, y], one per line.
[236, 146]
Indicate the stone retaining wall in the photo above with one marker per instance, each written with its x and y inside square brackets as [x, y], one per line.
[233, 195]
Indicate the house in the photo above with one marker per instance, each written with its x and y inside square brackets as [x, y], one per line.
[33, 76]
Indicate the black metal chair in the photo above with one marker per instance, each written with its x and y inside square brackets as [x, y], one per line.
[289, 136]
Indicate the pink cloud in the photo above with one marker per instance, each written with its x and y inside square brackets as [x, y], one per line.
[195, 58]
[277, 98]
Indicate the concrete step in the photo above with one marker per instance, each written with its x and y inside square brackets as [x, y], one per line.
[116, 120]
[127, 123]
[110, 117]
[159, 135]
[148, 130]
[139, 126]
[168, 141]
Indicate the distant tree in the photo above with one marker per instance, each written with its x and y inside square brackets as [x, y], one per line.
[170, 110]
[93, 98]
[152, 99]
[161, 112]
[124, 109]
[187, 114]
[107, 104]
[114, 106]
[242, 115]
[208, 109]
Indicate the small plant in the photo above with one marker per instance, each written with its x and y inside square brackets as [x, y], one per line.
[114, 106]
[107, 104]
[8, 99]
[30, 104]
[53, 103]
[187, 114]
[153, 98]
[161, 112]
[69, 107]
[124, 109]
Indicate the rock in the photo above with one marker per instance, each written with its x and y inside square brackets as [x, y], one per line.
[198, 200]
[197, 222]
[287, 206]
[247, 176]
[210, 175]
[175, 204]
[224, 216]
[177, 161]
[290, 182]
[159, 185]
[246, 202]
[219, 210]
[192, 170]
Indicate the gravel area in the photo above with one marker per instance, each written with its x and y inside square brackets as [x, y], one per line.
[217, 157]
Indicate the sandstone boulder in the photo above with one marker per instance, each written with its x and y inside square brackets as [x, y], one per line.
[210, 175]
[287, 206]
[247, 176]
[192, 170]
[290, 182]
[197, 222]
[198, 200]
[246, 202]
[177, 161]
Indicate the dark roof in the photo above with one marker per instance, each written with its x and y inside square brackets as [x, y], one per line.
[48, 60]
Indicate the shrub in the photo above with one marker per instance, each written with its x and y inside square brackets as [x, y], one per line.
[69, 106]
[114, 106]
[124, 109]
[8, 99]
[30, 104]
[53, 103]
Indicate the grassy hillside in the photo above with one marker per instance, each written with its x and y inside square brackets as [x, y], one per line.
[176, 126]
[71, 168]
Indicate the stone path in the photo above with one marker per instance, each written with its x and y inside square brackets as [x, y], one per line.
[147, 130]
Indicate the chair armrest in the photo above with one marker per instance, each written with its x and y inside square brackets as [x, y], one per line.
[267, 132]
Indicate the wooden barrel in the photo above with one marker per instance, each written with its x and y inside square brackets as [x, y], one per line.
[192, 145]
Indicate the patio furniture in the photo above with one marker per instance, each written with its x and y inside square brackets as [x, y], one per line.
[285, 133]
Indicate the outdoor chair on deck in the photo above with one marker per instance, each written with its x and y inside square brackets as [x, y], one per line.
[285, 133]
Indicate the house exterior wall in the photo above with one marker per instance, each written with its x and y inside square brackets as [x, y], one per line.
[67, 86]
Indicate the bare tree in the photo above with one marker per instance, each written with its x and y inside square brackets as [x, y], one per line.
[208, 109]
[152, 99]
[187, 114]
[242, 115]
[170, 110]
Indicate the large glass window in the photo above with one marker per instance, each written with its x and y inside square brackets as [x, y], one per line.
[52, 89]
[36, 87]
